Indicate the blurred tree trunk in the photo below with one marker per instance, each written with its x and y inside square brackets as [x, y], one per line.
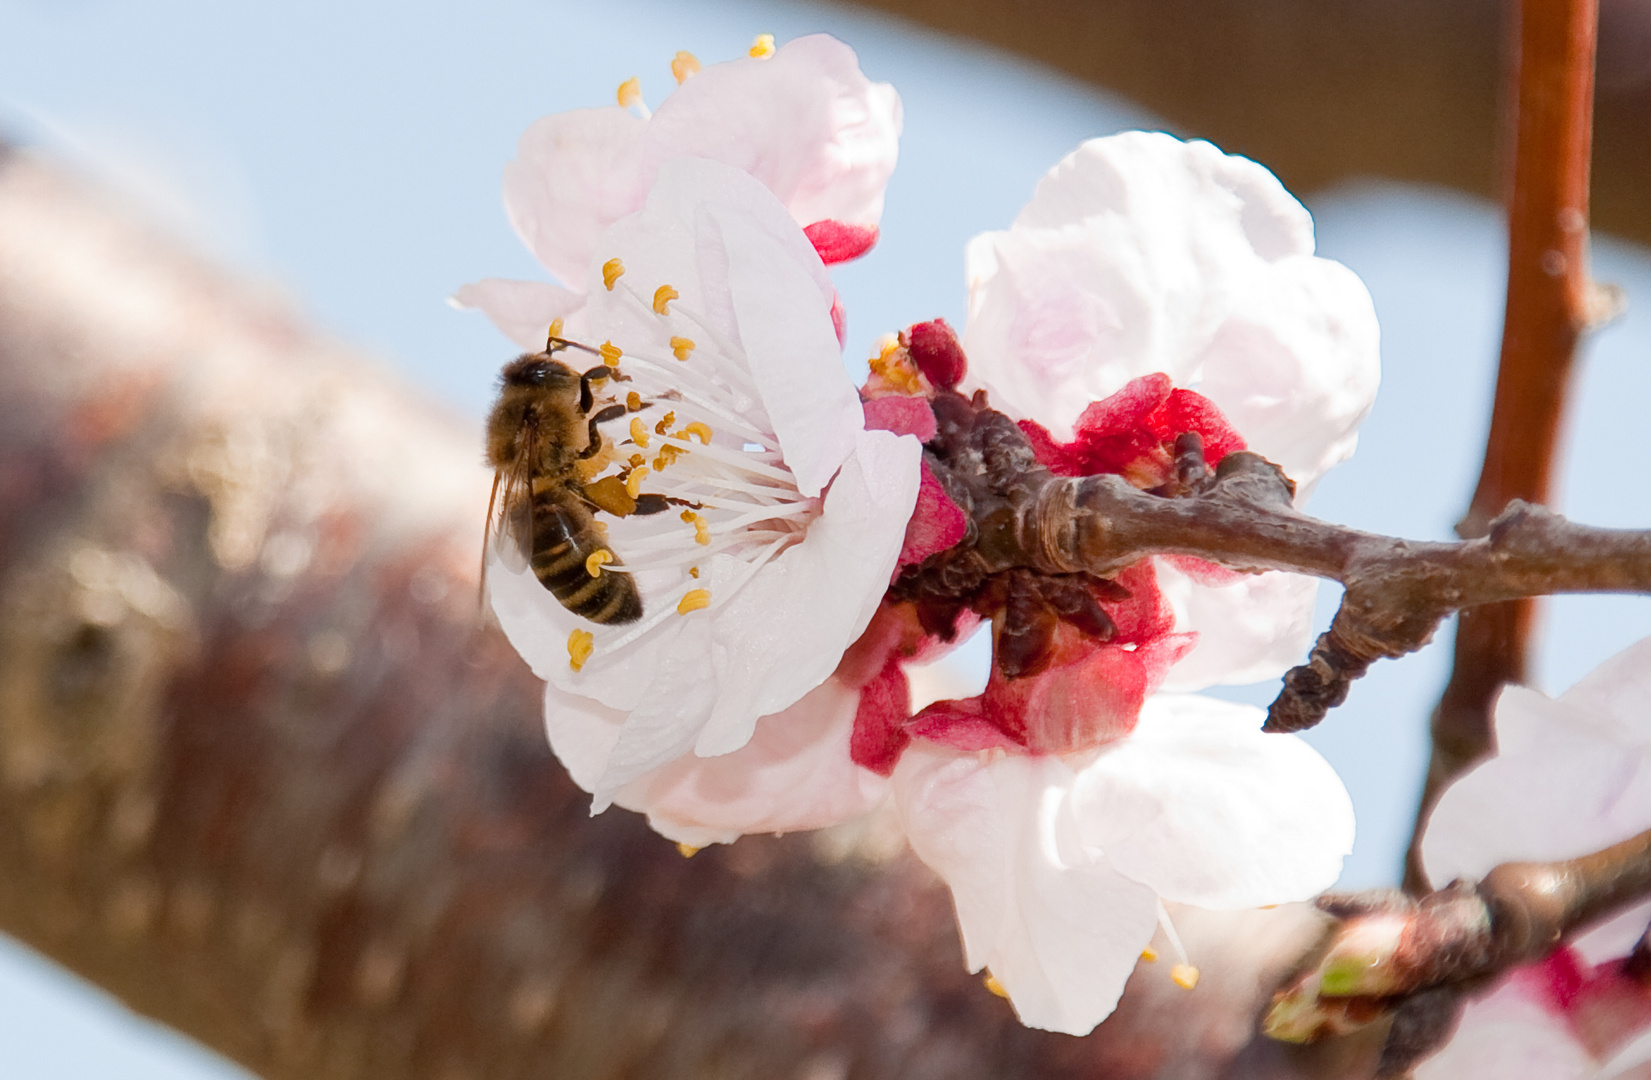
[1326, 90]
[267, 776]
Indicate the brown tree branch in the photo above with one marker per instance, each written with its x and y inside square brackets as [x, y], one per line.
[1417, 959]
[1396, 592]
[1551, 303]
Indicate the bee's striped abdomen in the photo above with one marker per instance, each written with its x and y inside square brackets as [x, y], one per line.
[564, 538]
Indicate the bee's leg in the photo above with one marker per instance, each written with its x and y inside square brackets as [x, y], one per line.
[652, 504]
[600, 371]
[594, 446]
[674, 501]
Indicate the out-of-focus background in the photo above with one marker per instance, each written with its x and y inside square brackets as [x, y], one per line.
[349, 155]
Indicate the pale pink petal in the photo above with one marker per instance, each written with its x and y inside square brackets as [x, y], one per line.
[1058, 927]
[575, 173]
[1616, 696]
[1205, 808]
[1295, 365]
[1507, 1036]
[523, 310]
[1253, 627]
[1558, 788]
[793, 774]
[805, 122]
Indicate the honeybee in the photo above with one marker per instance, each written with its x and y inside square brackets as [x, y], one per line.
[539, 431]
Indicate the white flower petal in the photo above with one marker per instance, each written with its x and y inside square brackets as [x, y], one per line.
[523, 310]
[784, 633]
[575, 173]
[1254, 628]
[1205, 808]
[1558, 788]
[794, 773]
[1616, 696]
[1295, 365]
[804, 121]
[1059, 928]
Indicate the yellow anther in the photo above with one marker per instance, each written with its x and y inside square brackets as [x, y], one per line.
[630, 94]
[681, 347]
[1149, 954]
[700, 430]
[689, 516]
[683, 65]
[687, 851]
[693, 600]
[665, 424]
[763, 47]
[610, 352]
[667, 456]
[639, 431]
[1184, 975]
[636, 460]
[611, 271]
[601, 527]
[693, 571]
[633, 482]
[580, 645]
[553, 334]
[662, 296]
[994, 986]
[593, 564]
[702, 532]
[633, 402]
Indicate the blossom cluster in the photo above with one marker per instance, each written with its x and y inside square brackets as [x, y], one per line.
[1151, 288]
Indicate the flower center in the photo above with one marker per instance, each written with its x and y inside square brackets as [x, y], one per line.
[693, 491]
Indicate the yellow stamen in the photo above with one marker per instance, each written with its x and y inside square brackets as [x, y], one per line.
[681, 347]
[1184, 975]
[693, 600]
[663, 296]
[593, 564]
[1149, 954]
[763, 47]
[636, 459]
[554, 333]
[639, 432]
[610, 353]
[702, 531]
[667, 456]
[683, 65]
[693, 571]
[685, 850]
[700, 430]
[601, 527]
[580, 645]
[611, 271]
[630, 93]
[633, 482]
[633, 402]
[665, 425]
[994, 986]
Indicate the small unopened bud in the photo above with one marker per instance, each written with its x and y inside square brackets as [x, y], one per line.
[1363, 959]
[935, 350]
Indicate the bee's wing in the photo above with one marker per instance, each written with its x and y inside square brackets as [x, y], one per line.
[509, 529]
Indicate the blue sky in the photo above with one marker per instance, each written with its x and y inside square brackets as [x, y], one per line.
[349, 155]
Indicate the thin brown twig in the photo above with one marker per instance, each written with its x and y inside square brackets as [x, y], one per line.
[1550, 305]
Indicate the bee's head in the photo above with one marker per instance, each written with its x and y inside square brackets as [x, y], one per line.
[537, 371]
